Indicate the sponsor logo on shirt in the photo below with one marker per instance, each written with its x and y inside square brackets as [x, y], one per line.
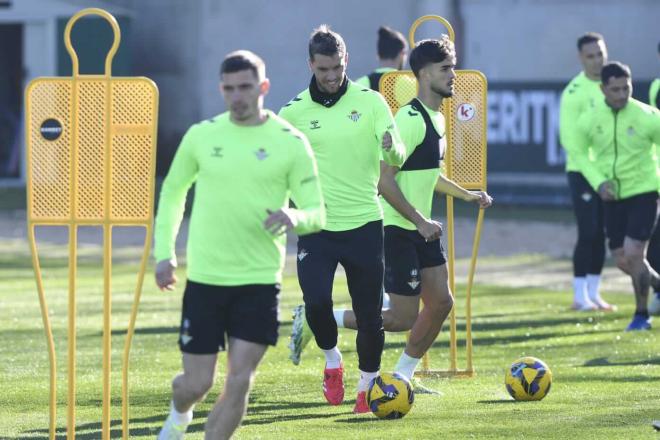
[217, 152]
[302, 254]
[313, 125]
[354, 116]
[261, 153]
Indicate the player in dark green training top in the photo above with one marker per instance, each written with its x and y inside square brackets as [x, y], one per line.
[580, 96]
[351, 130]
[392, 53]
[414, 259]
[245, 164]
[623, 134]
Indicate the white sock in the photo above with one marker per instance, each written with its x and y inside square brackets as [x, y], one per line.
[332, 358]
[365, 378]
[339, 317]
[580, 290]
[181, 418]
[406, 365]
[593, 287]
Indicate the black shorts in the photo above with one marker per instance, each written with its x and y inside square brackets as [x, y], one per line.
[634, 217]
[406, 254]
[248, 312]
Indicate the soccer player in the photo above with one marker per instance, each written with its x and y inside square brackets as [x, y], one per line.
[653, 253]
[392, 53]
[245, 164]
[622, 132]
[351, 129]
[580, 96]
[415, 264]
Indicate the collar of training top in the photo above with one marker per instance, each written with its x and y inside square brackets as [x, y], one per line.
[326, 99]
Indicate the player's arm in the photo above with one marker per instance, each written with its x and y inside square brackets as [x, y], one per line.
[448, 186]
[580, 141]
[569, 112]
[171, 206]
[389, 189]
[303, 180]
[387, 133]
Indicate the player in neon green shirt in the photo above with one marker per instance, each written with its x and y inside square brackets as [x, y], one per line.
[392, 53]
[580, 96]
[414, 259]
[245, 165]
[351, 130]
[653, 253]
[623, 134]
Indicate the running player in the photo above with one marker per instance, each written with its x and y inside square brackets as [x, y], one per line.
[653, 253]
[392, 53]
[415, 264]
[580, 96]
[244, 163]
[622, 132]
[351, 129]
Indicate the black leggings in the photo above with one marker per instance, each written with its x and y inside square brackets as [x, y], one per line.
[360, 252]
[589, 253]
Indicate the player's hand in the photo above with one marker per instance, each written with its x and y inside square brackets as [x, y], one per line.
[165, 278]
[387, 141]
[482, 198]
[606, 191]
[279, 222]
[429, 229]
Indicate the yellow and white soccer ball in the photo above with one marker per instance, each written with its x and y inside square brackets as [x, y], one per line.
[528, 378]
[390, 396]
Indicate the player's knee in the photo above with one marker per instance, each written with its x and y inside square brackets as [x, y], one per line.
[238, 383]
[198, 386]
[318, 307]
[398, 322]
[622, 262]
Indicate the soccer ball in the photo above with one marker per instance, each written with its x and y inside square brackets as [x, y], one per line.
[390, 396]
[528, 378]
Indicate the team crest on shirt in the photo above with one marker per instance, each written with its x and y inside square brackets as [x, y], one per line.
[354, 116]
[599, 129]
[313, 125]
[414, 279]
[261, 154]
[217, 152]
[302, 254]
[631, 131]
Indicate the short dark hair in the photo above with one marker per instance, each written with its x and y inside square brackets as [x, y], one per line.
[324, 41]
[614, 69]
[431, 51]
[589, 37]
[243, 60]
[390, 43]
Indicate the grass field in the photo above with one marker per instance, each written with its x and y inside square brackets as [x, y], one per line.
[606, 382]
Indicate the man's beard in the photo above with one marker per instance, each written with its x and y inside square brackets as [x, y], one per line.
[443, 93]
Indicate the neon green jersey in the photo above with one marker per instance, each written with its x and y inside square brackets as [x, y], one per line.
[654, 93]
[623, 143]
[239, 173]
[417, 185]
[346, 139]
[579, 96]
[364, 81]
